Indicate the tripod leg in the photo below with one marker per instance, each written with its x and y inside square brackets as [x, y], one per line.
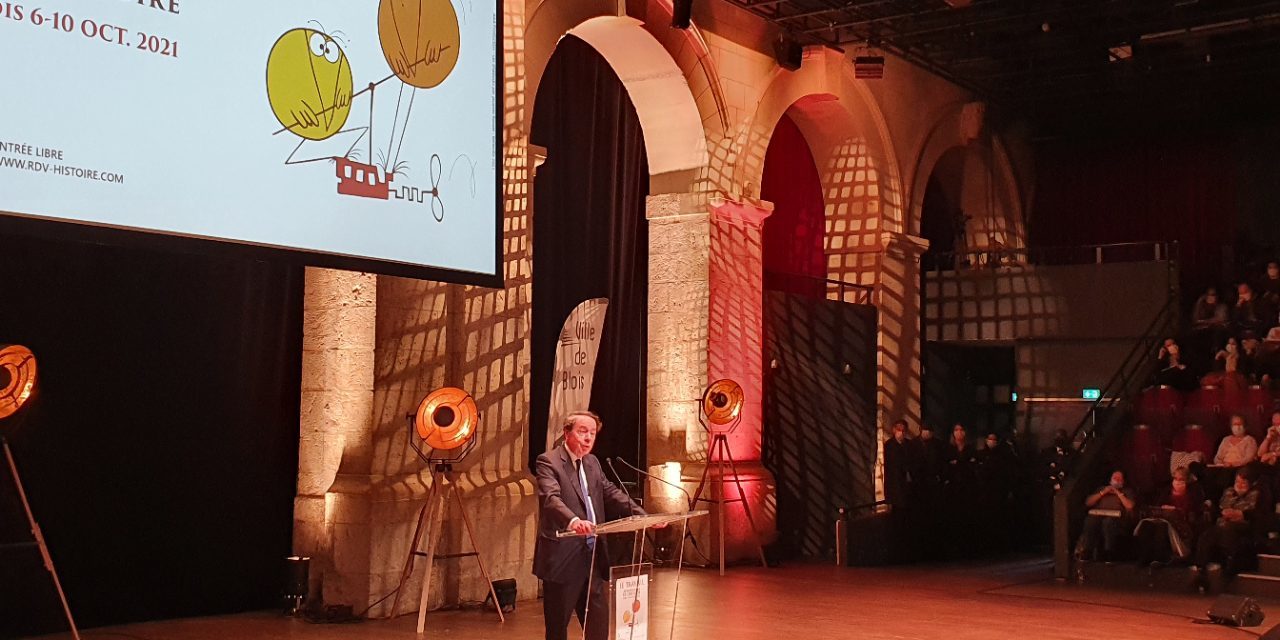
[721, 445]
[433, 533]
[466, 521]
[39, 536]
[702, 482]
[746, 508]
[407, 572]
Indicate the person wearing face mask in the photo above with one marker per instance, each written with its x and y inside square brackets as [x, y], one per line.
[1111, 511]
[1234, 452]
[1168, 533]
[961, 492]
[1269, 450]
[1237, 449]
[1230, 539]
[1229, 364]
[931, 463]
[996, 469]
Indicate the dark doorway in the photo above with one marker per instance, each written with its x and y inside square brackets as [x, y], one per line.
[969, 385]
[942, 217]
[592, 241]
[820, 434]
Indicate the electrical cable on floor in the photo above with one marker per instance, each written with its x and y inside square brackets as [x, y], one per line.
[991, 591]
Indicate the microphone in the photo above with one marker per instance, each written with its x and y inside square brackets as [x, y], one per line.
[650, 475]
[617, 477]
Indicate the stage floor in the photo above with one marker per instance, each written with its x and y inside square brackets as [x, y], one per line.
[1011, 599]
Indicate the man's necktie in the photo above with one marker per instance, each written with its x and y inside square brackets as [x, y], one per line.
[586, 497]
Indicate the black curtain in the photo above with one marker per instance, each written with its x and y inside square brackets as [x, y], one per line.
[591, 240]
[160, 453]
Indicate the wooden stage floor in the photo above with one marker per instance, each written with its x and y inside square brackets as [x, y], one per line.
[1005, 600]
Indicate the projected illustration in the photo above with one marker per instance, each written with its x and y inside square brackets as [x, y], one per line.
[358, 135]
[311, 90]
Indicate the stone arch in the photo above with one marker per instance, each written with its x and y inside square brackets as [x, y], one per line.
[660, 88]
[833, 109]
[945, 135]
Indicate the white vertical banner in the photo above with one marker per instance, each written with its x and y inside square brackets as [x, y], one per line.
[576, 350]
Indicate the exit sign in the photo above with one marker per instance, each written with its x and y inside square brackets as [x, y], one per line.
[1091, 394]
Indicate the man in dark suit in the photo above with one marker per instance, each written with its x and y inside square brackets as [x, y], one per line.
[573, 493]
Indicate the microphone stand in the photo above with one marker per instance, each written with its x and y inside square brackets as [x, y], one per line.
[688, 535]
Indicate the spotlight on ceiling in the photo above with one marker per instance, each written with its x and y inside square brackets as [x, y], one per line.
[681, 13]
[788, 52]
[868, 67]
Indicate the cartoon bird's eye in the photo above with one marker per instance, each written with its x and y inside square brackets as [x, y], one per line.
[331, 51]
[317, 44]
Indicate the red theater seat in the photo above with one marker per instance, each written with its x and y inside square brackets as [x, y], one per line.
[1204, 407]
[1161, 408]
[1144, 460]
[1195, 438]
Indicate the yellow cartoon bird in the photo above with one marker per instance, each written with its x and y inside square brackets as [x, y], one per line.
[309, 83]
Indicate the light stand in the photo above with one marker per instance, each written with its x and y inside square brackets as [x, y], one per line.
[721, 411]
[446, 422]
[17, 383]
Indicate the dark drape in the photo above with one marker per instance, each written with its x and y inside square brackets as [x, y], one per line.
[160, 454]
[793, 232]
[1179, 188]
[591, 240]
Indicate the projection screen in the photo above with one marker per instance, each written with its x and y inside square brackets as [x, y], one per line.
[359, 134]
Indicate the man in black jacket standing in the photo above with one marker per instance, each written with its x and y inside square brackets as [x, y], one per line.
[573, 493]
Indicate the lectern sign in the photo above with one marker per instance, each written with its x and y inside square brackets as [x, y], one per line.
[350, 130]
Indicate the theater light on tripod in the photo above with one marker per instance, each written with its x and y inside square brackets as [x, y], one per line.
[722, 406]
[445, 424]
[17, 378]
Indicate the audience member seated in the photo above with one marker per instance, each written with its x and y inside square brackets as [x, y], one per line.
[1237, 450]
[1269, 451]
[1173, 372]
[1269, 286]
[1209, 319]
[1168, 531]
[1230, 540]
[1245, 314]
[1111, 511]
[1226, 373]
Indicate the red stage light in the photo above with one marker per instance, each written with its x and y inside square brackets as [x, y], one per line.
[722, 404]
[447, 419]
[17, 378]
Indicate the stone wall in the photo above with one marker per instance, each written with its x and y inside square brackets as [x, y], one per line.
[374, 346]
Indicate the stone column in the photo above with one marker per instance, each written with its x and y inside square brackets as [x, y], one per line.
[897, 299]
[735, 344]
[679, 295]
[705, 324]
[336, 432]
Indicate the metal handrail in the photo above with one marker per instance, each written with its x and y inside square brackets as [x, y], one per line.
[863, 293]
[1091, 436]
[995, 257]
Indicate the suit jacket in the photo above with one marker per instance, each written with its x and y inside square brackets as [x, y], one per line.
[560, 501]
